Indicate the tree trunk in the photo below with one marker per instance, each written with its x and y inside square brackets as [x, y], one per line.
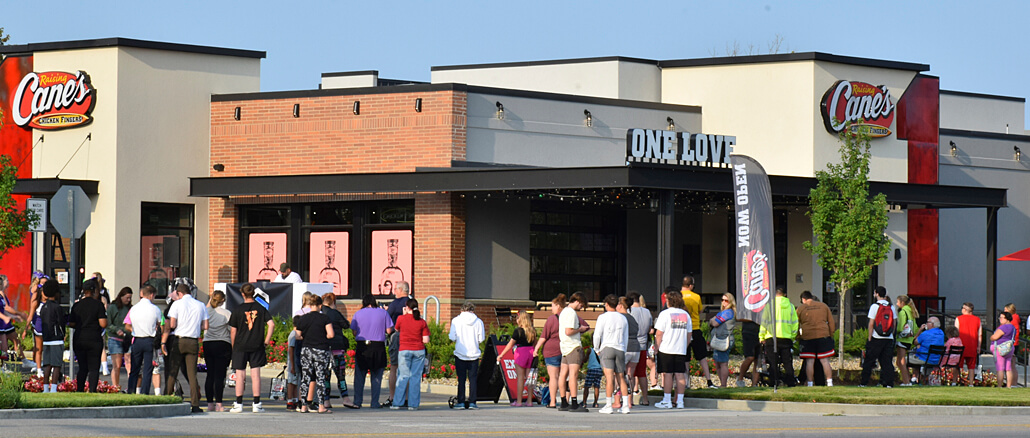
[843, 292]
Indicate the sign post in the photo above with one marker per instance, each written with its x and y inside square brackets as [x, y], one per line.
[71, 210]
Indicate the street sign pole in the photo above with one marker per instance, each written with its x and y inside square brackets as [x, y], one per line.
[71, 216]
[73, 275]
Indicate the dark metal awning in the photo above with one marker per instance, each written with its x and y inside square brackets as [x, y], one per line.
[49, 186]
[488, 179]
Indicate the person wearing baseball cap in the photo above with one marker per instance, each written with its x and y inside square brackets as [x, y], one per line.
[286, 275]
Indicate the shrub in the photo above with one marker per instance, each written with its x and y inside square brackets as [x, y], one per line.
[10, 390]
[441, 349]
[854, 342]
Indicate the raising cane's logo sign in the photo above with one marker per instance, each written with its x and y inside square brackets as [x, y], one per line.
[862, 104]
[53, 100]
[755, 280]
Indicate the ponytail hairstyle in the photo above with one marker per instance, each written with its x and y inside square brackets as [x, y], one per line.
[560, 301]
[413, 305]
[907, 302]
[217, 298]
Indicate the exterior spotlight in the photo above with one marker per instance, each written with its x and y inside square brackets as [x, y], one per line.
[672, 123]
[418, 105]
[589, 118]
[236, 113]
[357, 107]
[1018, 152]
[218, 167]
[296, 110]
[500, 111]
[954, 149]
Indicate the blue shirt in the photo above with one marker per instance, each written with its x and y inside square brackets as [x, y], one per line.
[592, 362]
[934, 336]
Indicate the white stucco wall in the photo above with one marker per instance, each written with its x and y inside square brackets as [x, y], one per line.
[986, 114]
[150, 133]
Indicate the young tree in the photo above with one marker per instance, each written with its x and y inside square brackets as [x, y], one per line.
[847, 224]
[13, 223]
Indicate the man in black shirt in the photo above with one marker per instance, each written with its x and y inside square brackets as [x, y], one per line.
[249, 338]
[88, 318]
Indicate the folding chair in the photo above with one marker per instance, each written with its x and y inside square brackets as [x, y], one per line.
[946, 362]
[927, 366]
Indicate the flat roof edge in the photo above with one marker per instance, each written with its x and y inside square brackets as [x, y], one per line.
[984, 96]
[130, 42]
[793, 57]
[983, 134]
[543, 63]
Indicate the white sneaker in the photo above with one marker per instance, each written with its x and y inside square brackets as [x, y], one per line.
[624, 410]
[257, 409]
[236, 408]
[607, 409]
[103, 369]
[741, 384]
[679, 405]
[663, 405]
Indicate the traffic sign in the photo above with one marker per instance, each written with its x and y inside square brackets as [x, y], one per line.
[38, 205]
[70, 209]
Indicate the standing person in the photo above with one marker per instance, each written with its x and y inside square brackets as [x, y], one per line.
[186, 317]
[250, 330]
[467, 332]
[143, 320]
[906, 334]
[880, 341]
[35, 324]
[722, 328]
[89, 319]
[286, 275]
[414, 335]
[522, 340]
[370, 326]
[1005, 333]
[54, 321]
[594, 374]
[316, 357]
[638, 374]
[611, 337]
[971, 331]
[749, 346]
[402, 293]
[217, 350]
[1011, 308]
[339, 345]
[104, 297]
[698, 345]
[632, 345]
[817, 327]
[118, 338]
[569, 331]
[8, 315]
[549, 343]
[786, 330]
[673, 330]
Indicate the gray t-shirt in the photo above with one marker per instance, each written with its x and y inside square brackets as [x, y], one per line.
[632, 345]
[643, 317]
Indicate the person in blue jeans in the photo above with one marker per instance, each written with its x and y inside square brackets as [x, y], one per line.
[414, 335]
[467, 332]
[370, 326]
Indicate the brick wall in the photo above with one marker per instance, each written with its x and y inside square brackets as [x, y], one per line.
[387, 136]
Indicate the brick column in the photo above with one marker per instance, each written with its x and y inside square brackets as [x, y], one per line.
[223, 241]
[440, 252]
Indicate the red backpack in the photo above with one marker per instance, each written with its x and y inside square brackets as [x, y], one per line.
[883, 324]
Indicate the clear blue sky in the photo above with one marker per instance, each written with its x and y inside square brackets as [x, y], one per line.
[975, 46]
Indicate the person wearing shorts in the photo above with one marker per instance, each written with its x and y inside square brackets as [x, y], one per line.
[569, 331]
[638, 375]
[250, 327]
[673, 330]
[611, 335]
[593, 377]
[698, 346]
[549, 343]
[817, 327]
[749, 346]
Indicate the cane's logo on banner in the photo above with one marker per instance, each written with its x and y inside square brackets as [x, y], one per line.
[849, 101]
[53, 100]
[755, 280]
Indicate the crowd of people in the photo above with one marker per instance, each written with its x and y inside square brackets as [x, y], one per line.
[630, 350]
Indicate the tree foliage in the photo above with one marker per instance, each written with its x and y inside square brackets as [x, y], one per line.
[3, 37]
[847, 224]
[13, 222]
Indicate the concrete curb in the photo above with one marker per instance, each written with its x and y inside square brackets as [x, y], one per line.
[140, 411]
[850, 409]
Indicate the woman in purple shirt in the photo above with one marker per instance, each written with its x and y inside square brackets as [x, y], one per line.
[1005, 332]
[371, 324]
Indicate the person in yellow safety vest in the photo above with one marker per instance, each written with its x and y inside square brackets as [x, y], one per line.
[786, 331]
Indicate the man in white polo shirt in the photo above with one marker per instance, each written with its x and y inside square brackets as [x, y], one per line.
[186, 317]
[143, 320]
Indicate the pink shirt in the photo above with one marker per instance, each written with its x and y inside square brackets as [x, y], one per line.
[952, 359]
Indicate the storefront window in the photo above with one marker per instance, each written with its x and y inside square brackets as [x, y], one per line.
[166, 243]
[574, 251]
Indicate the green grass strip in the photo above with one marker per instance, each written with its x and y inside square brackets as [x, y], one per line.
[30, 400]
[916, 395]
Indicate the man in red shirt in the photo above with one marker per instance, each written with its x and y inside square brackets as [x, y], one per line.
[970, 330]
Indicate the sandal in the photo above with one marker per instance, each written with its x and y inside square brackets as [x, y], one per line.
[595, 404]
[326, 411]
[516, 404]
[352, 406]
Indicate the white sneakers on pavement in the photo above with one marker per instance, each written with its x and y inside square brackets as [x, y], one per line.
[257, 408]
[607, 409]
[236, 408]
[663, 405]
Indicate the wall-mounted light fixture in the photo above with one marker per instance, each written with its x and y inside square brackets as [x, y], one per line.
[357, 107]
[1018, 152]
[500, 111]
[589, 118]
[236, 113]
[954, 148]
[218, 167]
[897, 254]
[296, 110]
[418, 104]
[672, 123]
